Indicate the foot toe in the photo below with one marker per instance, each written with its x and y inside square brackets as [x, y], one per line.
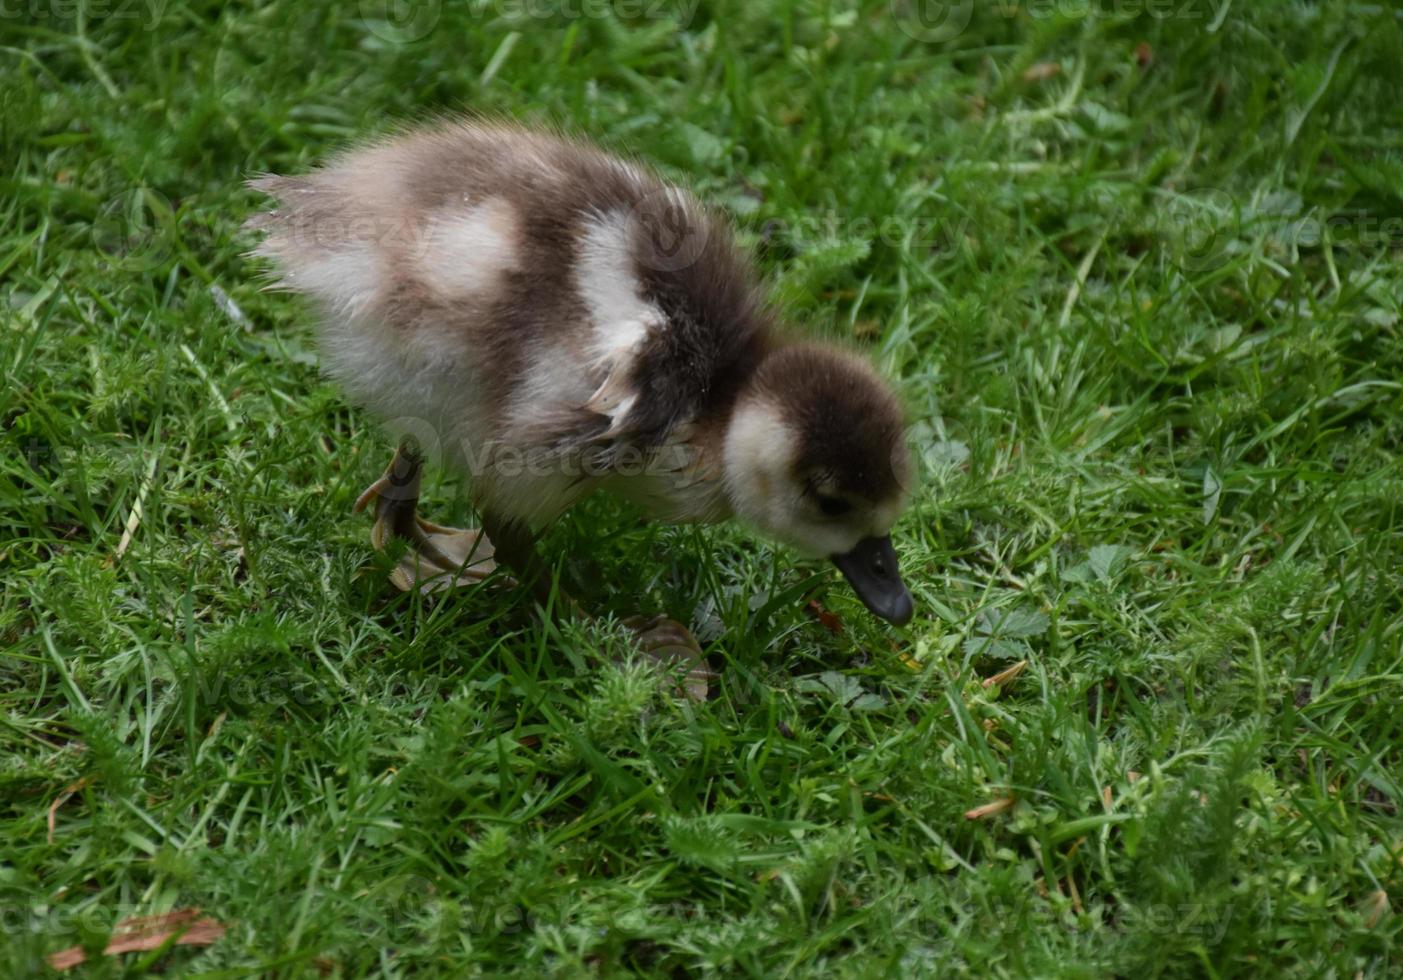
[444, 558]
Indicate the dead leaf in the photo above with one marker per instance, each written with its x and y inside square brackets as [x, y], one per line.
[830, 621]
[145, 932]
[1144, 54]
[672, 646]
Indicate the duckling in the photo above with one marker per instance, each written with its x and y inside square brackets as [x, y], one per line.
[553, 320]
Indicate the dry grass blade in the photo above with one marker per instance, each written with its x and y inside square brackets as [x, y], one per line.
[1007, 674]
[992, 808]
[1376, 906]
[63, 798]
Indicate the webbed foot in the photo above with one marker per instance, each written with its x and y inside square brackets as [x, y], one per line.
[672, 647]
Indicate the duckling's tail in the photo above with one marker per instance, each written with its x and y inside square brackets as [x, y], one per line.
[316, 241]
[282, 189]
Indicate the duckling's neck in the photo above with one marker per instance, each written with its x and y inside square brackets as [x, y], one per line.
[756, 444]
[689, 479]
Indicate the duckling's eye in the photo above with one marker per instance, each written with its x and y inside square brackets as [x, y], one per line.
[834, 506]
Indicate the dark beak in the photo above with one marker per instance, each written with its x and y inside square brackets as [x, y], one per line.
[871, 570]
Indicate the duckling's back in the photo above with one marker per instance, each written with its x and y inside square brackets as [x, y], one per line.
[504, 292]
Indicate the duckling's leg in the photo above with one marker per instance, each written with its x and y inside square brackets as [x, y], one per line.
[664, 641]
[515, 547]
[440, 556]
[443, 557]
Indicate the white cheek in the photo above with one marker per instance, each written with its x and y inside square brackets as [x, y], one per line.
[759, 459]
[758, 451]
[821, 540]
[885, 516]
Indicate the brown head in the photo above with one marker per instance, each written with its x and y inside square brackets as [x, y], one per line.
[816, 457]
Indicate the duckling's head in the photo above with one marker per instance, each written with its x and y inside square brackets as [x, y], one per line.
[815, 456]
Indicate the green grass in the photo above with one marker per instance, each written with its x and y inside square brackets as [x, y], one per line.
[1145, 312]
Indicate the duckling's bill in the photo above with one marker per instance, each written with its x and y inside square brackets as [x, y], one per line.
[871, 569]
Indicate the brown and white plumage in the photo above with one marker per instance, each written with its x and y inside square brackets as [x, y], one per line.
[553, 320]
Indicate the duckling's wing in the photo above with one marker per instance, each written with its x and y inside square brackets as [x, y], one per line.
[565, 301]
[678, 321]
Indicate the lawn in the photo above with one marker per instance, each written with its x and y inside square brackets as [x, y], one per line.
[1135, 267]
